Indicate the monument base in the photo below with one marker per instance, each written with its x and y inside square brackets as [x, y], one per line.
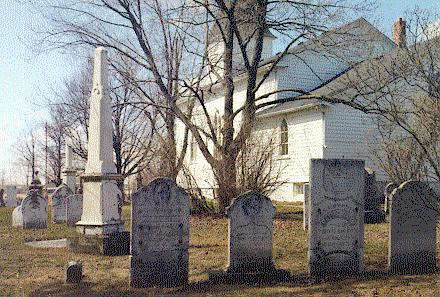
[374, 217]
[113, 244]
[265, 277]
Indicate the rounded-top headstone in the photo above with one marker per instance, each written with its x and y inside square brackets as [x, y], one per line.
[59, 201]
[34, 211]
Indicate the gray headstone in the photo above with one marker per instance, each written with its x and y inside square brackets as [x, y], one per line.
[336, 234]
[389, 188]
[59, 199]
[34, 211]
[159, 235]
[74, 206]
[74, 272]
[250, 234]
[11, 196]
[306, 206]
[412, 246]
[17, 217]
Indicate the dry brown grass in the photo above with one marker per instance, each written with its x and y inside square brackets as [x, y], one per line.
[27, 271]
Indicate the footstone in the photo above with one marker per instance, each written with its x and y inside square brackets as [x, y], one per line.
[306, 206]
[17, 217]
[387, 192]
[250, 241]
[159, 235]
[373, 213]
[74, 272]
[59, 200]
[412, 242]
[32, 213]
[336, 234]
[74, 205]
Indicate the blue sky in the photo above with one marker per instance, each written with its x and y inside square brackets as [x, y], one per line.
[26, 76]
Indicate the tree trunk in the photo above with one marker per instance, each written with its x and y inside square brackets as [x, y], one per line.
[226, 182]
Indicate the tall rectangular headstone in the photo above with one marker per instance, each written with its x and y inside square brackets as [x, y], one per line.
[59, 200]
[336, 234]
[159, 235]
[74, 205]
[11, 196]
[412, 242]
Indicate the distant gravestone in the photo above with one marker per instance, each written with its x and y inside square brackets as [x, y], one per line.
[412, 246]
[373, 213]
[59, 198]
[306, 206]
[336, 230]
[389, 188]
[34, 209]
[74, 206]
[11, 196]
[159, 235]
[17, 217]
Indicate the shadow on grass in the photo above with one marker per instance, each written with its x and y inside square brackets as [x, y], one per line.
[302, 284]
[289, 216]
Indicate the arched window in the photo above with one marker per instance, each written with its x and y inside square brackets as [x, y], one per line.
[284, 138]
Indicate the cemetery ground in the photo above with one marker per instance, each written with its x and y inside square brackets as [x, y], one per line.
[28, 271]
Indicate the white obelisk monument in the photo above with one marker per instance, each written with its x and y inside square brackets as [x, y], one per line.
[101, 215]
[69, 171]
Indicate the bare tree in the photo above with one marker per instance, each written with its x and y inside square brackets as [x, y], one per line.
[175, 58]
[26, 148]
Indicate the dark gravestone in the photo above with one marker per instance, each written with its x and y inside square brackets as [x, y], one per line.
[336, 230]
[373, 212]
[74, 272]
[412, 242]
[159, 235]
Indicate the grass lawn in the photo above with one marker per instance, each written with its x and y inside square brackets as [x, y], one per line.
[27, 271]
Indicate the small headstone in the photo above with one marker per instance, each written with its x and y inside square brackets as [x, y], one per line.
[306, 206]
[59, 198]
[17, 217]
[412, 246]
[11, 196]
[74, 205]
[74, 272]
[336, 230]
[159, 235]
[373, 213]
[387, 192]
[34, 211]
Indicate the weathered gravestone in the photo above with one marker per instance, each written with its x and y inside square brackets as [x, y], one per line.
[11, 196]
[250, 241]
[159, 235]
[74, 272]
[389, 188]
[32, 213]
[74, 206]
[59, 200]
[336, 230]
[373, 213]
[306, 206]
[412, 242]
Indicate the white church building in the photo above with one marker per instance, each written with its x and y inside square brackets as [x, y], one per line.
[302, 129]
